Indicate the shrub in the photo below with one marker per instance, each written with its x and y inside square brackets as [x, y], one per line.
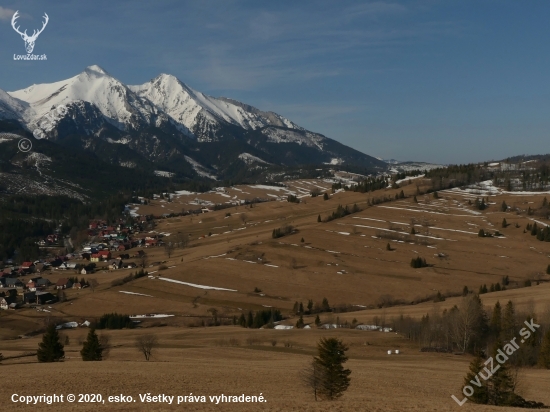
[418, 262]
[114, 321]
[282, 231]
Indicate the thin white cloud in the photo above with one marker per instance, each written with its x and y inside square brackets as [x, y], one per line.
[6, 14]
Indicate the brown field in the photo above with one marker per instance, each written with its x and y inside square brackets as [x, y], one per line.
[344, 260]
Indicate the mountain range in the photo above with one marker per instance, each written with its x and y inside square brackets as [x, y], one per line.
[166, 126]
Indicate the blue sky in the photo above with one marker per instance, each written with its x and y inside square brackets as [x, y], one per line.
[451, 81]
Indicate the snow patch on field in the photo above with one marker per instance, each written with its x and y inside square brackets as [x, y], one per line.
[134, 293]
[194, 285]
[408, 178]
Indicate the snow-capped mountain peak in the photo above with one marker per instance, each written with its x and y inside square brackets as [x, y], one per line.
[118, 104]
[96, 70]
[201, 113]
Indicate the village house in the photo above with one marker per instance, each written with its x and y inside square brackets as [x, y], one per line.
[114, 264]
[63, 283]
[13, 283]
[104, 254]
[45, 297]
[42, 283]
[77, 285]
[6, 301]
[28, 267]
[29, 297]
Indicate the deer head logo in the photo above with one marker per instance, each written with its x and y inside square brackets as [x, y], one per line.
[29, 40]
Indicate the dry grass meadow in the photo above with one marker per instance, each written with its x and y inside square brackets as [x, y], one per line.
[344, 260]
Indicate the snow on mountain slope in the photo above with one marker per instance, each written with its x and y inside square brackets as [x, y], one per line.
[276, 135]
[249, 159]
[200, 169]
[12, 108]
[120, 106]
[201, 113]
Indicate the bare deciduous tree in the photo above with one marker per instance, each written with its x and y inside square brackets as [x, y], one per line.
[144, 261]
[466, 321]
[93, 284]
[105, 342]
[145, 344]
[169, 248]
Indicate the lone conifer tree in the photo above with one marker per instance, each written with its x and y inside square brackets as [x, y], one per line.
[332, 356]
[509, 325]
[496, 320]
[92, 349]
[50, 349]
[481, 392]
[502, 384]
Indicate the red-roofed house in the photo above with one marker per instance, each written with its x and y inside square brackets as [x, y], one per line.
[104, 254]
[28, 267]
[63, 283]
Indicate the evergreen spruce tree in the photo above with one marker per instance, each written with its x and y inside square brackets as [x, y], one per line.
[502, 383]
[301, 308]
[496, 320]
[250, 320]
[92, 349]
[317, 320]
[50, 349]
[509, 325]
[331, 358]
[504, 223]
[325, 307]
[319, 219]
[481, 393]
[544, 354]
[300, 322]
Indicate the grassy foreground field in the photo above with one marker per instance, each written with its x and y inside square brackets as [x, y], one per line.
[193, 362]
